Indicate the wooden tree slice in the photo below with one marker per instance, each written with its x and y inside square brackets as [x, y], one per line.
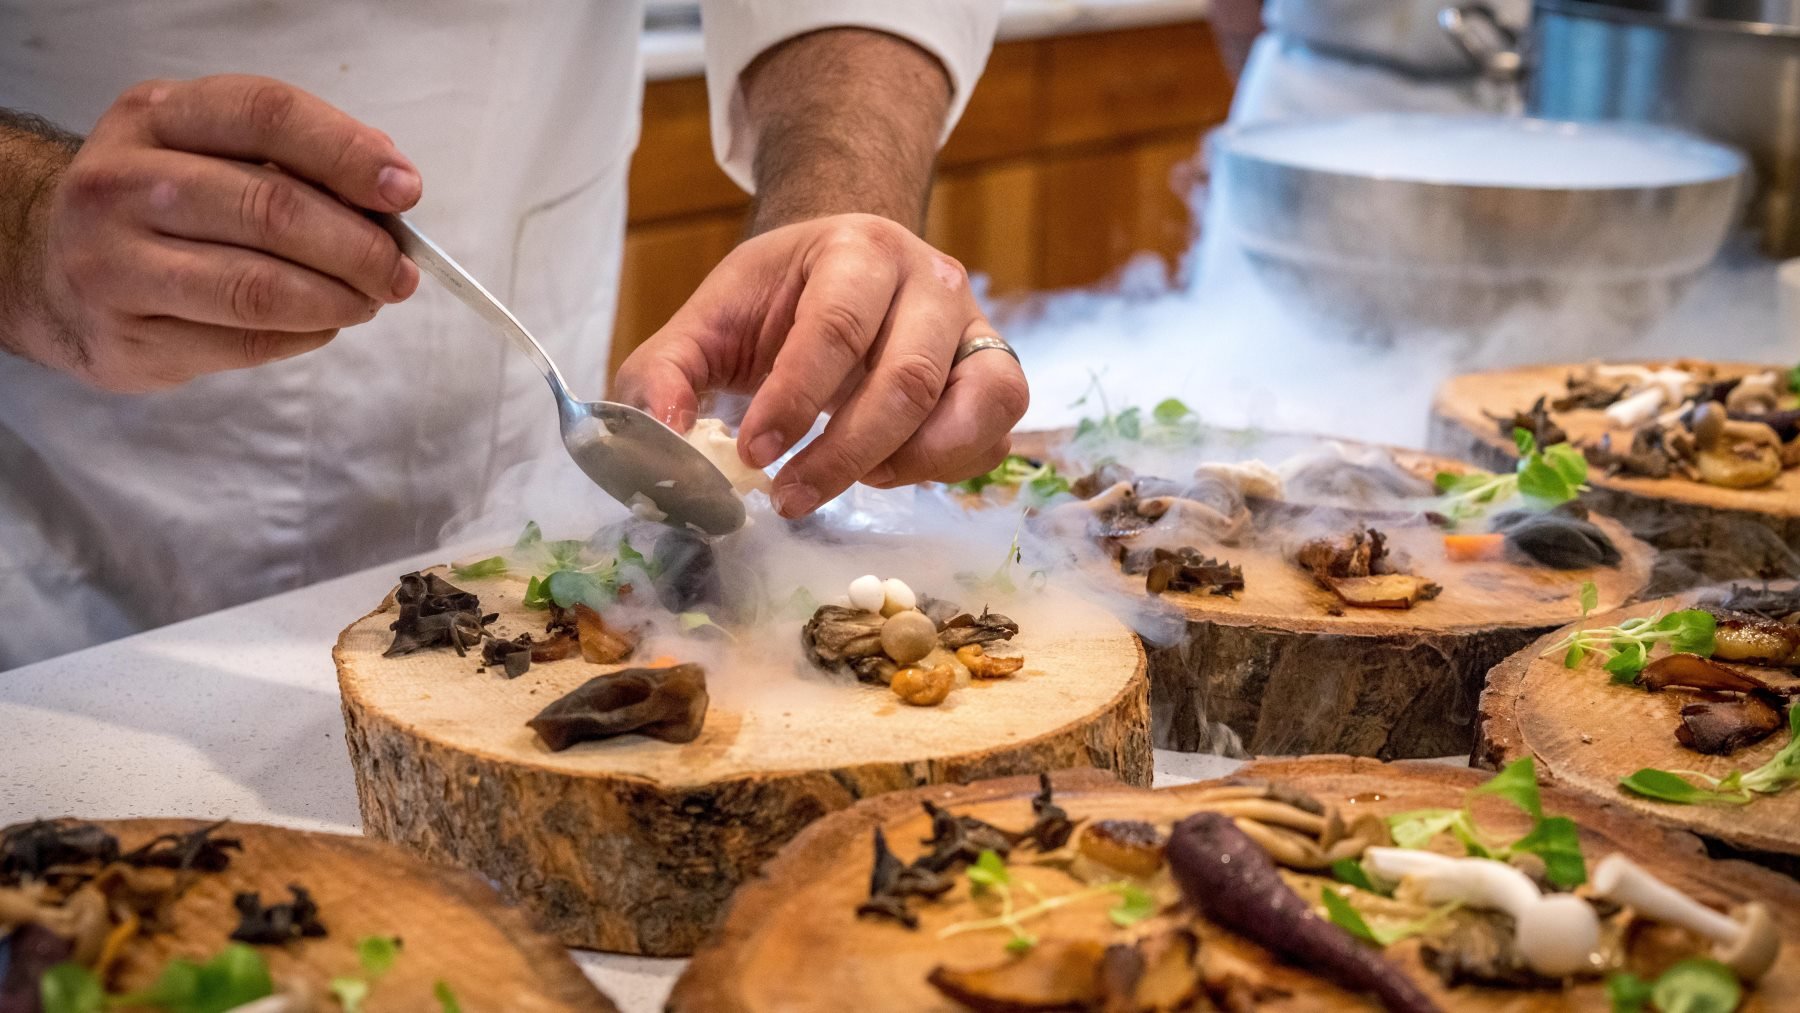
[1281, 671]
[633, 844]
[1587, 733]
[792, 942]
[1716, 533]
[453, 927]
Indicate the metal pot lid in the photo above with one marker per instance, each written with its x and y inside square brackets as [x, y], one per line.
[1753, 17]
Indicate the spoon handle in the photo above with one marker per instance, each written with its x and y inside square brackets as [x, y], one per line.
[432, 259]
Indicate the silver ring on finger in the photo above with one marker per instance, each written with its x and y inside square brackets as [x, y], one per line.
[981, 343]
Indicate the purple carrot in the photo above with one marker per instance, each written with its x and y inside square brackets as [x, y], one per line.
[1231, 880]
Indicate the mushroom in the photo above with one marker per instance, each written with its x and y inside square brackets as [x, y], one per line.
[897, 597]
[1252, 478]
[866, 593]
[1634, 410]
[1745, 941]
[662, 703]
[1756, 394]
[908, 636]
[982, 665]
[1555, 935]
[1133, 847]
[1734, 454]
[923, 687]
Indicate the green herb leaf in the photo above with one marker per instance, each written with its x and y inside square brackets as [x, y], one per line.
[1135, 904]
[989, 871]
[1517, 784]
[70, 988]
[688, 622]
[1416, 828]
[1697, 985]
[567, 588]
[531, 536]
[238, 975]
[1628, 992]
[1021, 943]
[1590, 599]
[493, 566]
[446, 998]
[1569, 463]
[1556, 841]
[350, 993]
[1346, 917]
[1524, 441]
[1782, 769]
[377, 954]
[630, 556]
[1693, 631]
[1349, 870]
[1130, 423]
[1793, 379]
[1667, 787]
[1170, 411]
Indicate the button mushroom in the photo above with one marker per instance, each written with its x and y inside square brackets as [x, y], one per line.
[1734, 454]
[1555, 935]
[1745, 941]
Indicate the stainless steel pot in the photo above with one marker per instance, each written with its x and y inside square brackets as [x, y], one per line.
[1729, 69]
[1413, 36]
[1397, 226]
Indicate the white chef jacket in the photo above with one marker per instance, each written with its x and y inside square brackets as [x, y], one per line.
[121, 512]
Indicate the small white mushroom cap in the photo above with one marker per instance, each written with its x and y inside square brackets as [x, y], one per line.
[1633, 411]
[1555, 934]
[1749, 947]
[897, 597]
[867, 593]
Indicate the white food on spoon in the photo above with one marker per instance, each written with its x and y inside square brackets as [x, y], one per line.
[645, 509]
[710, 437]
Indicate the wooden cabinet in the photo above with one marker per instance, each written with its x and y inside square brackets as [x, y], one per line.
[1076, 152]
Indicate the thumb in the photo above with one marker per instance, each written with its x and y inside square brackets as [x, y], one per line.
[660, 383]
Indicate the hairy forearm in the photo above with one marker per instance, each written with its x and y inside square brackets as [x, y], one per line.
[33, 155]
[847, 120]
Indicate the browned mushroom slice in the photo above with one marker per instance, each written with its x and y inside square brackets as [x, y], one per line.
[1130, 846]
[1695, 672]
[1722, 727]
[965, 629]
[1388, 591]
[662, 703]
[1056, 974]
[600, 643]
[1739, 637]
[1157, 974]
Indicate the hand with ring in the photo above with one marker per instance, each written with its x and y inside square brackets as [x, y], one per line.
[853, 316]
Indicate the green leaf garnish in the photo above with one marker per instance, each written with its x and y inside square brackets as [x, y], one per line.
[1345, 916]
[1349, 870]
[377, 954]
[1552, 838]
[1590, 597]
[1135, 904]
[1543, 477]
[1735, 788]
[1039, 481]
[1170, 411]
[1628, 992]
[446, 998]
[493, 566]
[1516, 783]
[1624, 649]
[989, 871]
[1170, 422]
[1697, 985]
[70, 988]
[350, 993]
[238, 975]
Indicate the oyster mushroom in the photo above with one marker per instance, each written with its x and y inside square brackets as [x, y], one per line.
[1745, 941]
[1756, 394]
[661, 703]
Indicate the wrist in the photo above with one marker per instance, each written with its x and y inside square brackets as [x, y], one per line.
[33, 158]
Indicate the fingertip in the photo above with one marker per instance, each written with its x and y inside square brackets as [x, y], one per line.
[399, 185]
[406, 279]
[762, 449]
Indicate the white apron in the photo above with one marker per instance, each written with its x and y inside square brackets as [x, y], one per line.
[122, 512]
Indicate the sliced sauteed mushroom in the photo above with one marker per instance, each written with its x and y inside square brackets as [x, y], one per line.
[1132, 847]
[1722, 727]
[1156, 974]
[661, 703]
[1183, 569]
[1691, 671]
[1741, 637]
[982, 665]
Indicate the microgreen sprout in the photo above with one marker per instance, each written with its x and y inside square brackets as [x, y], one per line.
[1735, 788]
[989, 876]
[1544, 478]
[1624, 649]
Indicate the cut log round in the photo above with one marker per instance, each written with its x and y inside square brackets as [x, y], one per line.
[1282, 668]
[1707, 532]
[453, 927]
[1587, 733]
[632, 844]
[792, 942]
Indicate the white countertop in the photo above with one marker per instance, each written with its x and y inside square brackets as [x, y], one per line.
[675, 52]
[236, 715]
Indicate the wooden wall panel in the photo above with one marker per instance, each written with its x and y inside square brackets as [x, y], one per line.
[663, 265]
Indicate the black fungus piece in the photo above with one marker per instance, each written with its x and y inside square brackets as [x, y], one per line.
[1765, 601]
[686, 572]
[1585, 392]
[965, 629]
[1535, 421]
[512, 657]
[1052, 827]
[435, 613]
[960, 840]
[1646, 456]
[1183, 569]
[197, 850]
[1557, 539]
[662, 703]
[277, 923]
[28, 850]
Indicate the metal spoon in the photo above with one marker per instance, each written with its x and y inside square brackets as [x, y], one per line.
[626, 451]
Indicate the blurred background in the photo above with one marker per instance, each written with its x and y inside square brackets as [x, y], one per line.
[1273, 207]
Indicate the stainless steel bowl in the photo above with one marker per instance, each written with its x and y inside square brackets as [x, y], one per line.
[1395, 225]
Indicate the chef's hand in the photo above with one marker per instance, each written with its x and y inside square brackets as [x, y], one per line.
[205, 225]
[852, 315]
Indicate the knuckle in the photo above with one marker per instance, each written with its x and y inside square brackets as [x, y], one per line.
[915, 381]
[270, 208]
[268, 106]
[138, 97]
[840, 331]
[92, 184]
[248, 292]
[1010, 396]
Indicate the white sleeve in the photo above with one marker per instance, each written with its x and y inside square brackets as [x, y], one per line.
[958, 32]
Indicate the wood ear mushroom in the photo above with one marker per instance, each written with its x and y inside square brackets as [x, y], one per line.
[662, 703]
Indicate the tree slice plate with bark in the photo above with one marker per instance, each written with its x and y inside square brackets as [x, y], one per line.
[1715, 533]
[453, 927]
[792, 942]
[1587, 733]
[1288, 669]
[633, 844]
